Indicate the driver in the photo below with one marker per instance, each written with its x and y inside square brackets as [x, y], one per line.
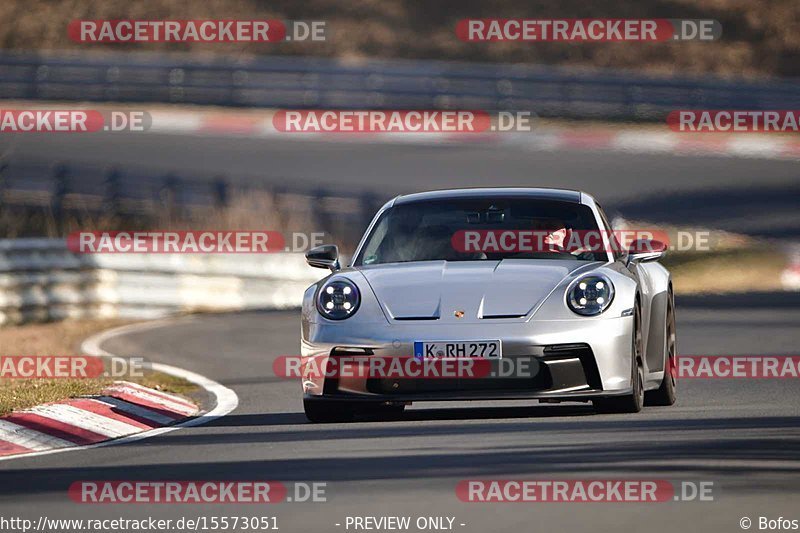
[553, 234]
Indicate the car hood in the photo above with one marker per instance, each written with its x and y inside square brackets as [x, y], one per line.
[483, 290]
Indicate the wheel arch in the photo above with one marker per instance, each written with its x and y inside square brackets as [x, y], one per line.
[656, 343]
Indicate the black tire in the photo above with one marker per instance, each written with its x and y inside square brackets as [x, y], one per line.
[630, 403]
[323, 411]
[666, 393]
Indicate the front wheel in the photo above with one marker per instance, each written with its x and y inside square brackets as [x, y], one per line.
[633, 402]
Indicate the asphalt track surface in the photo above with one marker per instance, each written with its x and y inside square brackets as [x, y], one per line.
[753, 196]
[742, 435]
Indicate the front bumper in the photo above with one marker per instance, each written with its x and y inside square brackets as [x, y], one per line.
[564, 359]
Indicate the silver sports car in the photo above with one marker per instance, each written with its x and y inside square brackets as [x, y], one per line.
[484, 294]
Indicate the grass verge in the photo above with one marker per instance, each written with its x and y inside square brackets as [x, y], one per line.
[64, 338]
[728, 271]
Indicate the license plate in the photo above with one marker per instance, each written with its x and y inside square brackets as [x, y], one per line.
[457, 349]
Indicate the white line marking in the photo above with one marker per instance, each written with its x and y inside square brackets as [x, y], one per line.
[644, 142]
[30, 438]
[175, 407]
[157, 395]
[81, 418]
[171, 122]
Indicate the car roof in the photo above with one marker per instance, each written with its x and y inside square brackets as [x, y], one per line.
[563, 195]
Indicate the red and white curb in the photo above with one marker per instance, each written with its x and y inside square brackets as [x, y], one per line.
[546, 138]
[121, 410]
[124, 412]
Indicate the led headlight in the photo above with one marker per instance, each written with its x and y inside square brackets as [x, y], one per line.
[338, 299]
[590, 295]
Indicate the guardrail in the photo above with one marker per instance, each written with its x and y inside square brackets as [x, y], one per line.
[44, 199]
[297, 82]
[41, 280]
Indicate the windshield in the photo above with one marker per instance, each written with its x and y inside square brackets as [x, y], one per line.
[487, 229]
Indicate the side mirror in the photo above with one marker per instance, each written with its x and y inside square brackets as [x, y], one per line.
[325, 256]
[645, 250]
